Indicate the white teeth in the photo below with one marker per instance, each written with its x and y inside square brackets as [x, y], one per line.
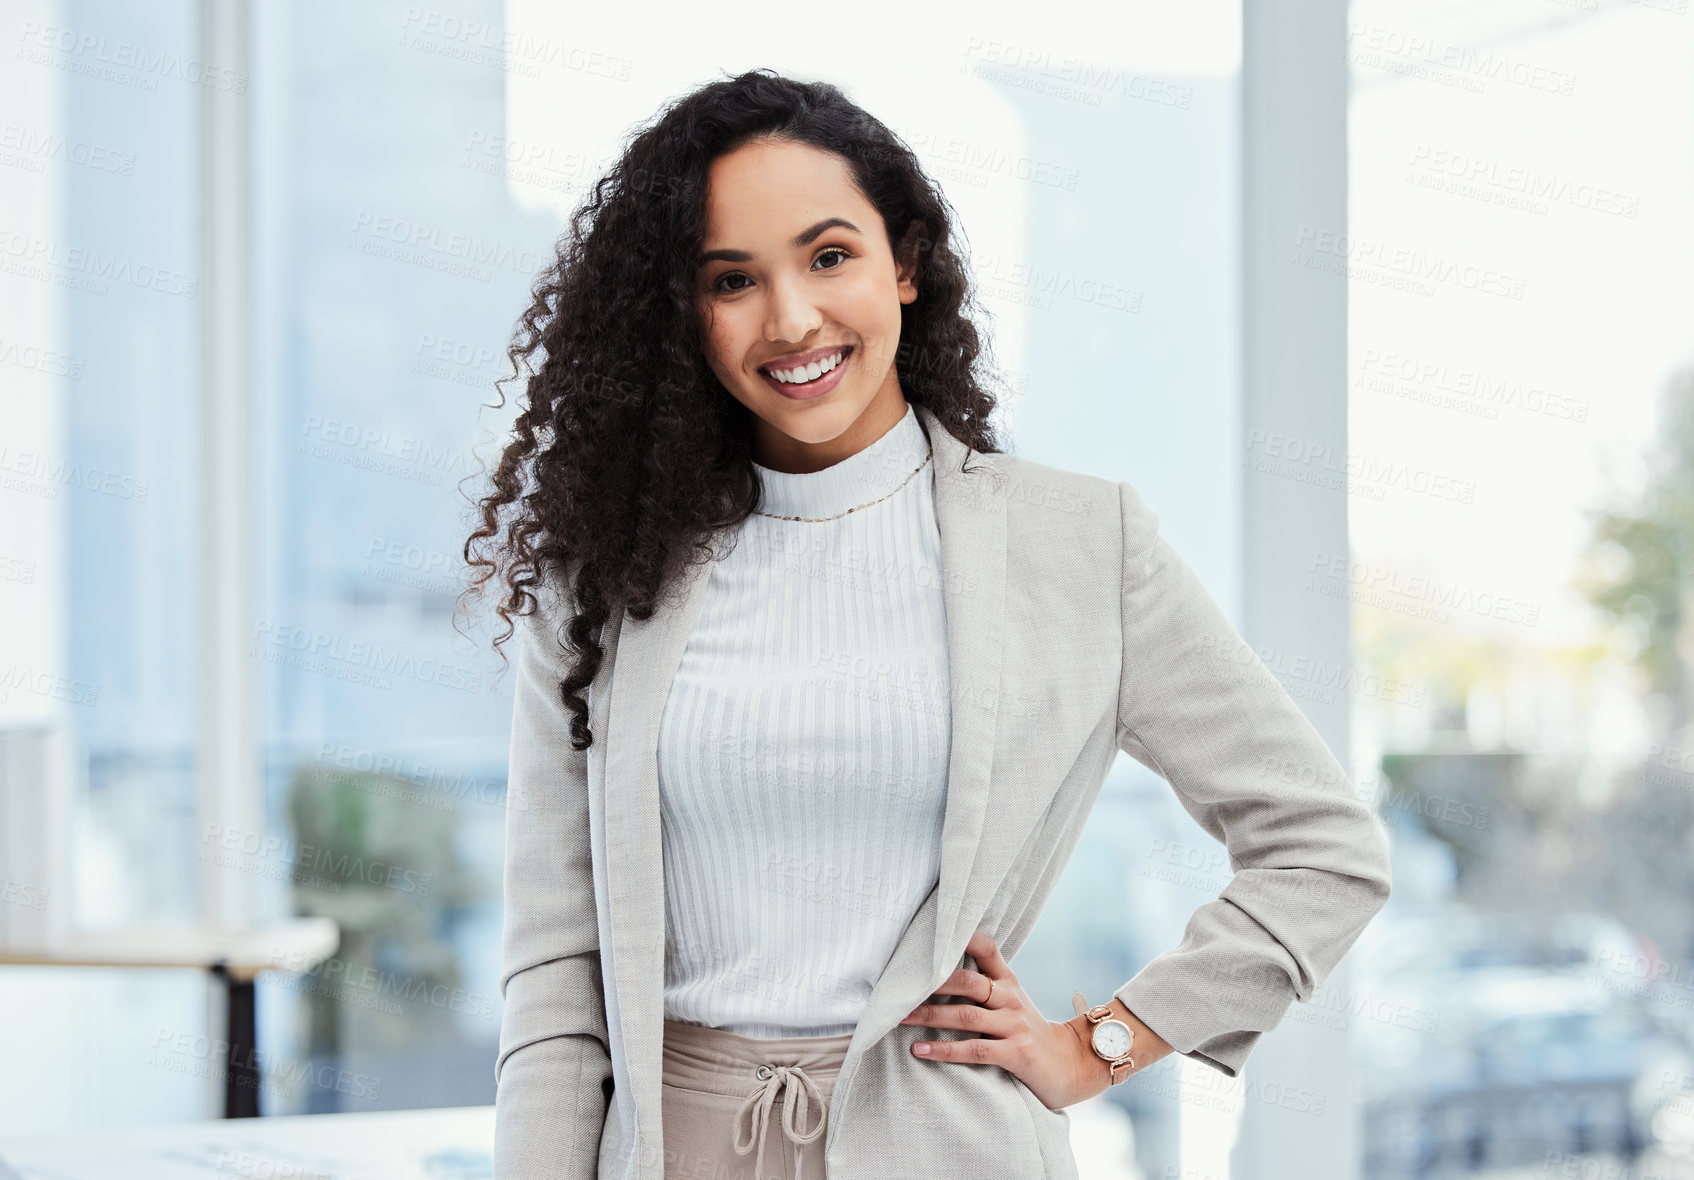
[809, 372]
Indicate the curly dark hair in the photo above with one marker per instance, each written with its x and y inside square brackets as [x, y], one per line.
[629, 455]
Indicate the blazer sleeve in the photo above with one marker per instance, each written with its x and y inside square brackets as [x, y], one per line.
[1310, 860]
[553, 1073]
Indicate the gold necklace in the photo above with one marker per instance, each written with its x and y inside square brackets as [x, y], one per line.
[819, 519]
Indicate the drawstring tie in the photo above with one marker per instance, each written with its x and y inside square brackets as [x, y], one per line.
[798, 1091]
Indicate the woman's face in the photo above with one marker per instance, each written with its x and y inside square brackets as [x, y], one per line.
[796, 267]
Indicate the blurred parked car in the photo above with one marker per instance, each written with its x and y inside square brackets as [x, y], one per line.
[1491, 1040]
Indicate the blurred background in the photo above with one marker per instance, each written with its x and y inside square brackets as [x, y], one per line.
[1385, 309]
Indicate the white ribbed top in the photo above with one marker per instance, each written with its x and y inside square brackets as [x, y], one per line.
[803, 750]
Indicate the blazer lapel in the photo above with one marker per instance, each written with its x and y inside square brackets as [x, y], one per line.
[970, 510]
[649, 653]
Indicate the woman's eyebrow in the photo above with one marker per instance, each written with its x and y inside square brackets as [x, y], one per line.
[803, 238]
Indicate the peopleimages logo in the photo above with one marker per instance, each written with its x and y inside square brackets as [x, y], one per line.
[1376, 584]
[368, 986]
[98, 56]
[268, 855]
[359, 660]
[202, 1056]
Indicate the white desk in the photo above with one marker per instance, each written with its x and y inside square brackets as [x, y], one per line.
[234, 956]
[454, 1143]
[298, 944]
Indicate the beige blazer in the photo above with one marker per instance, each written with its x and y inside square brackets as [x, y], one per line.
[1074, 631]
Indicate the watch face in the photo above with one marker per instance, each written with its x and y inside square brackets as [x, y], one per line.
[1111, 1038]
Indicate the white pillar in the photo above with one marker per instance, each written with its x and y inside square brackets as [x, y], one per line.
[1294, 368]
[39, 760]
[230, 782]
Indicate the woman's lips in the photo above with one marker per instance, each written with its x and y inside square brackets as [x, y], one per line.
[812, 389]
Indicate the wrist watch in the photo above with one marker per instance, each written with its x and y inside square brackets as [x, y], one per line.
[1111, 1038]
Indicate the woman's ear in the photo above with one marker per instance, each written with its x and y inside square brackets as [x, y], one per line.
[908, 258]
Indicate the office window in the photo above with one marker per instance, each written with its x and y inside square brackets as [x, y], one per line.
[1519, 398]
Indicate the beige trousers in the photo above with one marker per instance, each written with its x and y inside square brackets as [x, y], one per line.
[746, 1108]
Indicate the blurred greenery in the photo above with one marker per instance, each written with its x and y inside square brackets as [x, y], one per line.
[376, 853]
[1638, 571]
[1593, 832]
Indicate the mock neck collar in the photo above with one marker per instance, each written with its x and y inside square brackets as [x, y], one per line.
[870, 474]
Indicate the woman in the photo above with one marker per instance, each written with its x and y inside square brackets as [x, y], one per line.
[849, 698]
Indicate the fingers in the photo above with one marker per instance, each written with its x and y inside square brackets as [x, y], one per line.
[970, 1017]
[993, 1049]
[973, 985]
[992, 965]
[986, 952]
[976, 1051]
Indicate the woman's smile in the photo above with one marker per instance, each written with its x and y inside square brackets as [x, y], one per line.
[815, 387]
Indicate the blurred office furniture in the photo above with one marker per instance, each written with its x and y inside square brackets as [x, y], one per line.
[40, 774]
[234, 957]
[38, 778]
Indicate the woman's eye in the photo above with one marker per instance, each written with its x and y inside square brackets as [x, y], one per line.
[719, 284]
